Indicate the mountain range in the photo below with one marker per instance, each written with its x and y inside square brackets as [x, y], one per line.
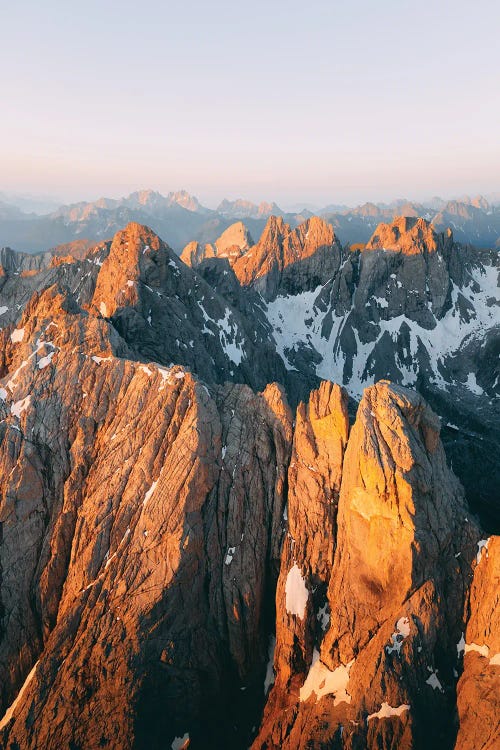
[249, 495]
[181, 218]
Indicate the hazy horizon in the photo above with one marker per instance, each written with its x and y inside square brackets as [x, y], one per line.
[319, 103]
[21, 198]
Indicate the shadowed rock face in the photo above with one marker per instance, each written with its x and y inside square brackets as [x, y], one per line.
[157, 531]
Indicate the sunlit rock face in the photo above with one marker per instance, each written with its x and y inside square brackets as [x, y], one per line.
[232, 243]
[376, 661]
[187, 555]
[479, 685]
[144, 511]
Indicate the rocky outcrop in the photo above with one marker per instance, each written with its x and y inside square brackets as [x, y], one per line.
[145, 513]
[195, 253]
[422, 311]
[232, 243]
[479, 685]
[13, 263]
[384, 672]
[314, 477]
[409, 235]
[285, 260]
[168, 313]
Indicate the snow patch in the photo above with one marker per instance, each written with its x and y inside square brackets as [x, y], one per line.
[3, 394]
[17, 409]
[472, 385]
[483, 650]
[433, 681]
[229, 555]
[165, 374]
[149, 493]
[323, 617]
[402, 631]
[45, 361]
[296, 593]
[322, 681]
[3, 309]
[17, 335]
[482, 544]
[228, 334]
[386, 711]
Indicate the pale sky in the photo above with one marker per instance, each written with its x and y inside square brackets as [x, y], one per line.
[287, 101]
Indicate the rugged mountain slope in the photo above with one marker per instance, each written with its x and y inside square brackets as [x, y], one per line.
[145, 513]
[406, 308]
[414, 307]
[247, 210]
[285, 260]
[479, 686]
[162, 525]
[373, 664]
[164, 310]
[421, 310]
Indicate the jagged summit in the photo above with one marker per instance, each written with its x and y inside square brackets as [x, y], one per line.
[286, 258]
[283, 258]
[236, 235]
[409, 235]
[153, 201]
[245, 209]
[232, 243]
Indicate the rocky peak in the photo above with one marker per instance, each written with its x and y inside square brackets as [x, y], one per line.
[246, 209]
[409, 235]
[185, 200]
[195, 253]
[365, 628]
[274, 232]
[235, 238]
[137, 255]
[232, 243]
[286, 259]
